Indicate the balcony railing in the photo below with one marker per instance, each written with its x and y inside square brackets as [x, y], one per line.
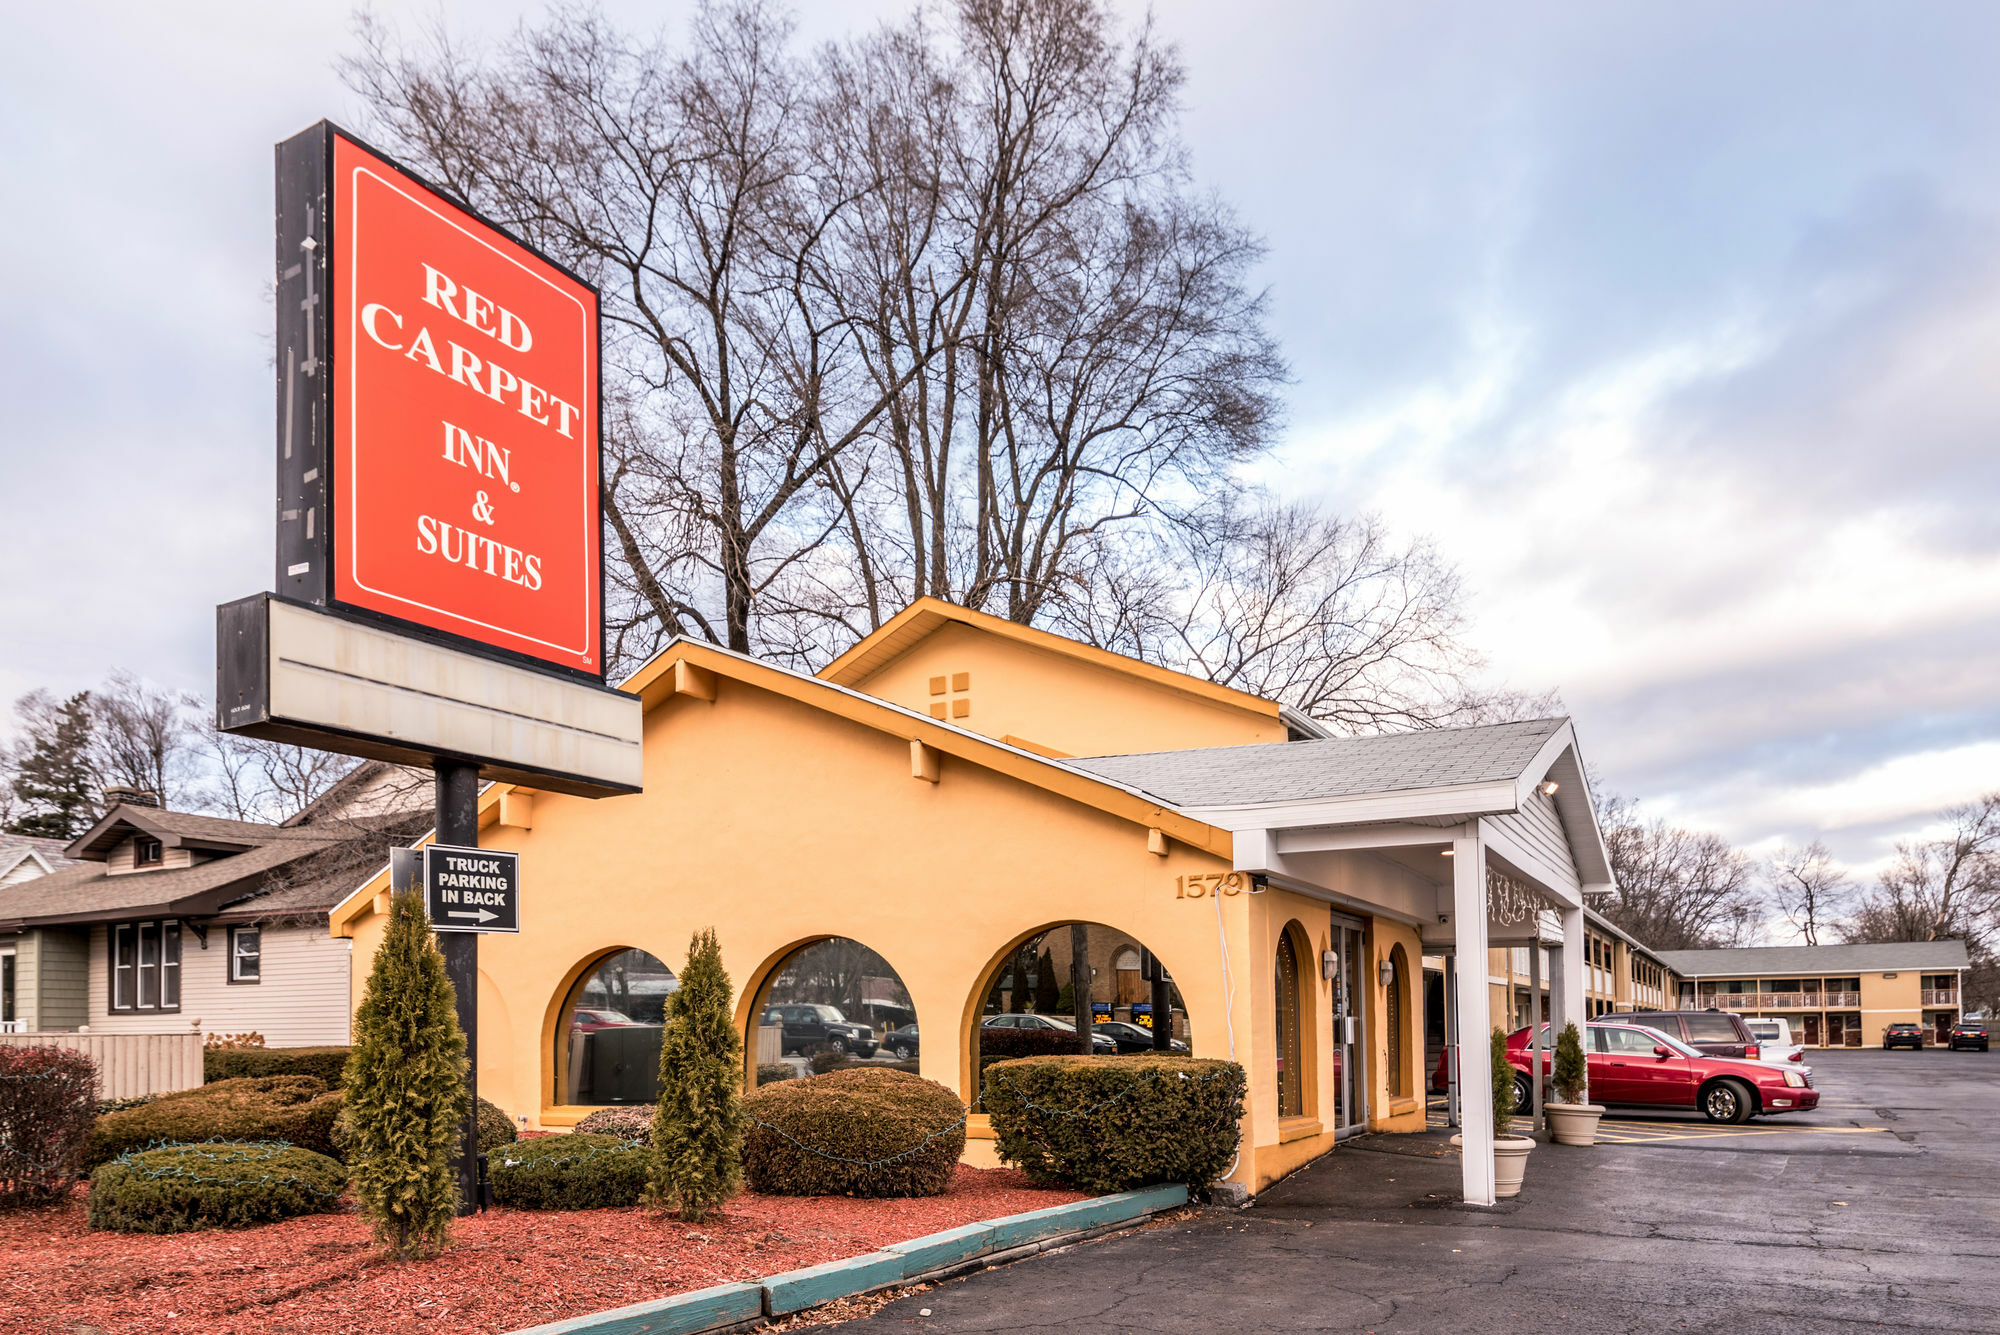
[1788, 1001]
[1940, 996]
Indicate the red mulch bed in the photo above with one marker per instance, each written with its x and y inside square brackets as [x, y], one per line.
[506, 1269]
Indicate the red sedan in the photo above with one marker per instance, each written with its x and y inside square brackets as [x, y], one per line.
[1635, 1067]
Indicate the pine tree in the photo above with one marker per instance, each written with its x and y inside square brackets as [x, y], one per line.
[698, 1130]
[1048, 993]
[54, 781]
[406, 1088]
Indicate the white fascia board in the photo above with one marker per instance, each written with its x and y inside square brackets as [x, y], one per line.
[1526, 862]
[1458, 802]
[1342, 838]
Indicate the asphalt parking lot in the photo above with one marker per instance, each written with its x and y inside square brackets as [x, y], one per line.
[1879, 1210]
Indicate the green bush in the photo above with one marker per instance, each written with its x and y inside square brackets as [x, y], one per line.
[697, 1140]
[295, 1108]
[573, 1172]
[186, 1187]
[224, 1063]
[496, 1128]
[1571, 1069]
[105, 1107]
[46, 1100]
[822, 1062]
[1112, 1124]
[627, 1122]
[868, 1131]
[772, 1073]
[1503, 1085]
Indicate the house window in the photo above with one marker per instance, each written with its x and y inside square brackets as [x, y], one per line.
[245, 954]
[147, 852]
[145, 966]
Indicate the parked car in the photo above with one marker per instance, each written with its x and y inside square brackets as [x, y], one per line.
[1134, 1037]
[1635, 1066]
[1774, 1041]
[902, 1042]
[1968, 1034]
[589, 1020]
[1903, 1035]
[1717, 1033]
[811, 1028]
[1098, 1042]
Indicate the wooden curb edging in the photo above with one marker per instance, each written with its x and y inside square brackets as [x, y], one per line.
[936, 1256]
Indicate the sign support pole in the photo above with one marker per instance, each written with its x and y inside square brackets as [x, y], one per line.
[458, 824]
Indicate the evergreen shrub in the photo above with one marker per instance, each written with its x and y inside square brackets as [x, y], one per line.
[633, 1121]
[496, 1129]
[181, 1188]
[238, 1063]
[1571, 1069]
[1503, 1086]
[822, 1062]
[48, 1097]
[772, 1073]
[697, 1134]
[298, 1109]
[1112, 1124]
[405, 1085]
[573, 1172]
[867, 1131]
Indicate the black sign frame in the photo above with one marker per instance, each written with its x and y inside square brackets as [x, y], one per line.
[448, 915]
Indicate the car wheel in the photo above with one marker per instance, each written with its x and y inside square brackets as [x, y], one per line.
[838, 1046]
[902, 1051]
[1726, 1101]
[1524, 1096]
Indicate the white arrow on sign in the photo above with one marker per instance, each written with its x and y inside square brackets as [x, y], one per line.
[481, 914]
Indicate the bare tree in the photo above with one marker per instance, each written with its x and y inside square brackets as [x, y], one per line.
[147, 737]
[1810, 888]
[1943, 888]
[1678, 889]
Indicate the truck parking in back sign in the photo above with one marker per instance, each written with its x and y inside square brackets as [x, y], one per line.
[472, 889]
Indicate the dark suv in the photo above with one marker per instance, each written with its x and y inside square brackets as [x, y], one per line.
[1968, 1034]
[1718, 1033]
[811, 1028]
[1903, 1035]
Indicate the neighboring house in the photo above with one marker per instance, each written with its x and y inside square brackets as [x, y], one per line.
[169, 920]
[23, 857]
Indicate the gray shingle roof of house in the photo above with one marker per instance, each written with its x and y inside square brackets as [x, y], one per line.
[89, 892]
[1784, 961]
[1335, 767]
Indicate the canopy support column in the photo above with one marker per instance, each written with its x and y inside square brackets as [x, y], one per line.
[1475, 1016]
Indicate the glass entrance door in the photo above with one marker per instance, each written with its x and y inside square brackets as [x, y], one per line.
[1350, 1086]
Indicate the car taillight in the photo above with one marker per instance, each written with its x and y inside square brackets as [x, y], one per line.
[1797, 1057]
[1752, 1051]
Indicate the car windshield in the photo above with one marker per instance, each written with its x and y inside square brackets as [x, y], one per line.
[830, 1014]
[611, 1017]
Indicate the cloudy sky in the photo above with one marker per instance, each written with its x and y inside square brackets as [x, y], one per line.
[1677, 326]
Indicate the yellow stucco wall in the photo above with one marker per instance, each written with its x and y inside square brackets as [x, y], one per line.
[1058, 701]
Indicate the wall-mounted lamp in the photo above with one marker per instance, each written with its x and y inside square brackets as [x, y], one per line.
[1386, 971]
[1329, 964]
[1549, 787]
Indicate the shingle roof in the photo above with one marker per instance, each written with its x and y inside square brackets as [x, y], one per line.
[1335, 767]
[89, 891]
[1780, 961]
[15, 847]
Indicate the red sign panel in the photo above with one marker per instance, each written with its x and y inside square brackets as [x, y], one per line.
[465, 442]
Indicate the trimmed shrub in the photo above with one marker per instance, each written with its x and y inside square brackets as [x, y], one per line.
[862, 1132]
[105, 1107]
[235, 1063]
[1571, 1070]
[406, 1094]
[632, 1122]
[1503, 1085]
[697, 1140]
[182, 1188]
[496, 1129]
[1112, 1124]
[573, 1172]
[773, 1073]
[48, 1097]
[822, 1062]
[294, 1108]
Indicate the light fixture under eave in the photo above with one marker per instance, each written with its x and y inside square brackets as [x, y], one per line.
[1549, 787]
[1447, 852]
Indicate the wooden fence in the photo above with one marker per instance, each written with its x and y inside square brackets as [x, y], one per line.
[128, 1065]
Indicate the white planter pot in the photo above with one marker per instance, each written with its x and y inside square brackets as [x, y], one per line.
[1510, 1161]
[1573, 1123]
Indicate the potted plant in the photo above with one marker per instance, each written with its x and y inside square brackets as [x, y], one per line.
[1571, 1120]
[1510, 1152]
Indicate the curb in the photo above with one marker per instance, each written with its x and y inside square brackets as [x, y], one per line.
[935, 1256]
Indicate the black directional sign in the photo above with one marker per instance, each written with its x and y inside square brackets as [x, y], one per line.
[472, 889]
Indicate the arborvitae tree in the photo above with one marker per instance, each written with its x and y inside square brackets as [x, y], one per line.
[698, 1129]
[1503, 1086]
[54, 780]
[406, 1091]
[1048, 992]
[1572, 1073]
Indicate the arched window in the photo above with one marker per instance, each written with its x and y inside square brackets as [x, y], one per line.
[1291, 1058]
[1396, 1006]
[608, 1035]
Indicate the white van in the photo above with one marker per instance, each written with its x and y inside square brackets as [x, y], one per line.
[1775, 1041]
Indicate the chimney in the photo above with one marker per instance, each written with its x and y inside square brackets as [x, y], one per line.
[131, 797]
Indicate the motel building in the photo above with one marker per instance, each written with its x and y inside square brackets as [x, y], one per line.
[943, 802]
[1834, 996]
